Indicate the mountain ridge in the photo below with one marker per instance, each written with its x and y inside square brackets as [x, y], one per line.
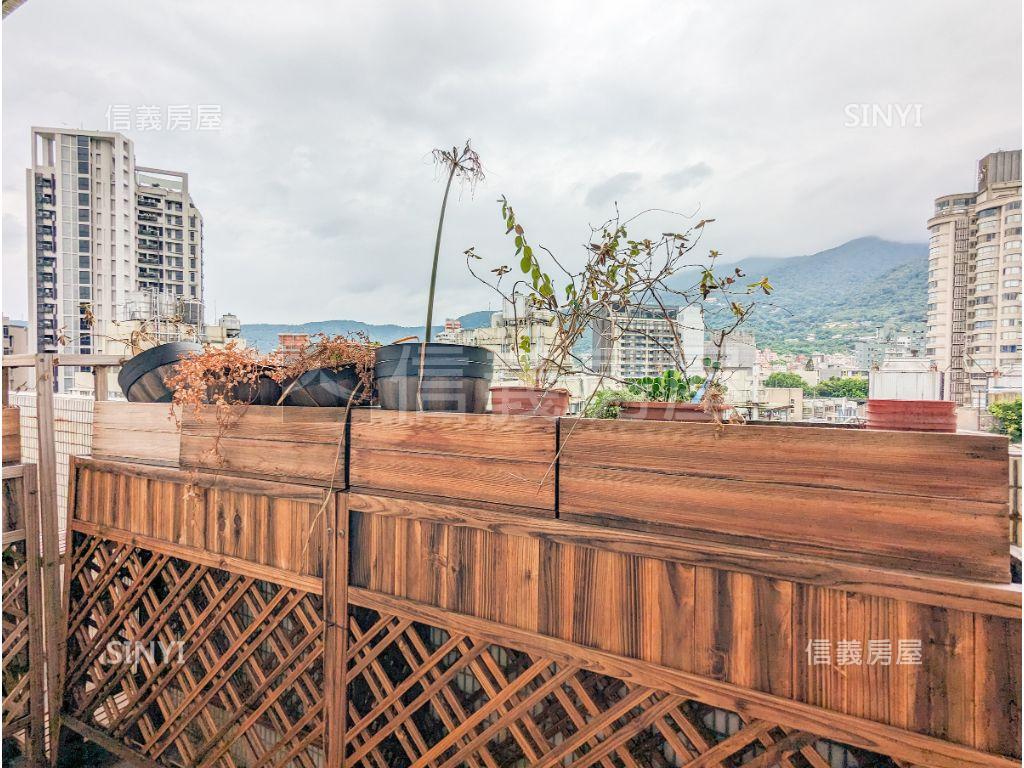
[821, 303]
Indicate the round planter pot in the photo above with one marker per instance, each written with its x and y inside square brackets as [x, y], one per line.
[912, 415]
[455, 377]
[528, 401]
[265, 391]
[142, 378]
[663, 411]
[322, 387]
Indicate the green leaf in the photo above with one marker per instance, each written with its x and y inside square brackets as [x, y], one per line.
[526, 264]
[707, 362]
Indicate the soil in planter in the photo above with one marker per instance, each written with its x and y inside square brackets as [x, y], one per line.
[456, 377]
[528, 401]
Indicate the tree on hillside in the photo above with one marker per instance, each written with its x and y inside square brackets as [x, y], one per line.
[1008, 414]
[854, 387]
[786, 379]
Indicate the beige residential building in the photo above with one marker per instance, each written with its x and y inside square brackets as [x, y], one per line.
[641, 341]
[100, 228]
[502, 338]
[974, 275]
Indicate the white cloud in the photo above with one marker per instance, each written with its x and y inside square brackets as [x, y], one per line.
[319, 195]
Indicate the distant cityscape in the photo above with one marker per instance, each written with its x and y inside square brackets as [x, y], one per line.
[116, 263]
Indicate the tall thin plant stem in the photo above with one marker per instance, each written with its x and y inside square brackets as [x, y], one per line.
[433, 283]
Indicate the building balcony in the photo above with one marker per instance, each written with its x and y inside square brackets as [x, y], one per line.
[149, 202]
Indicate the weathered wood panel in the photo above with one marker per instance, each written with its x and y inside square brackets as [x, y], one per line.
[148, 433]
[24, 654]
[502, 460]
[277, 525]
[11, 434]
[293, 444]
[776, 635]
[917, 501]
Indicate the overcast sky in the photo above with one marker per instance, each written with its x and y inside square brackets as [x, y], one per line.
[318, 192]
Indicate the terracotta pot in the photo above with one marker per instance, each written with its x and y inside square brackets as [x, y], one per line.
[912, 415]
[664, 411]
[529, 401]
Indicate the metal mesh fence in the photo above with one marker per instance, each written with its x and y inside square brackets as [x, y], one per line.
[72, 426]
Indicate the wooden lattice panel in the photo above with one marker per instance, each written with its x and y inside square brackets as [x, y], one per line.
[228, 671]
[23, 658]
[424, 696]
[16, 680]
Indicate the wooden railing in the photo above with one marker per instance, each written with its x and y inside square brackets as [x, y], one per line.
[449, 590]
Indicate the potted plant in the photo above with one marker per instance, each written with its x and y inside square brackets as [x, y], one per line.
[428, 376]
[226, 377]
[621, 276]
[143, 377]
[669, 397]
[328, 371]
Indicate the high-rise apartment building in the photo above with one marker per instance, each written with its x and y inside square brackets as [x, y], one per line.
[974, 278]
[640, 341]
[99, 229]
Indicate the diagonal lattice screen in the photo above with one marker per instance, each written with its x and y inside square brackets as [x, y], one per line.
[190, 665]
[421, 695]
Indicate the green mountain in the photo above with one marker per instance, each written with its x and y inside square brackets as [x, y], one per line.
[822, 302]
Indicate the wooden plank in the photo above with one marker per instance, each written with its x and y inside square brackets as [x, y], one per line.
[53, 613]
[476, 457]
[962, 466]
[502, 481]
[934, 688]
[519, 438]
[952, 537]
[203, 479]
[877, 737]
[37, 630]
[302, 445]
[261, 523]
[999, 600]
[997, 685]
[335, 629]
[743, 630]
[11, 445]
[143, 432]
[202, 556]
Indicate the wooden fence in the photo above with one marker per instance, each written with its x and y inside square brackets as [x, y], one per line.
[472, 590]
[24, 685]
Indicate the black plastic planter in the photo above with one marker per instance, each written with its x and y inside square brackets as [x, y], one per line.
[142, 378]
[456, 377]
[265, 391]
[323, 387]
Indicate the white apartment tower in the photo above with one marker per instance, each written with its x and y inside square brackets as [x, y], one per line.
[100, 229]
[974, 278]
